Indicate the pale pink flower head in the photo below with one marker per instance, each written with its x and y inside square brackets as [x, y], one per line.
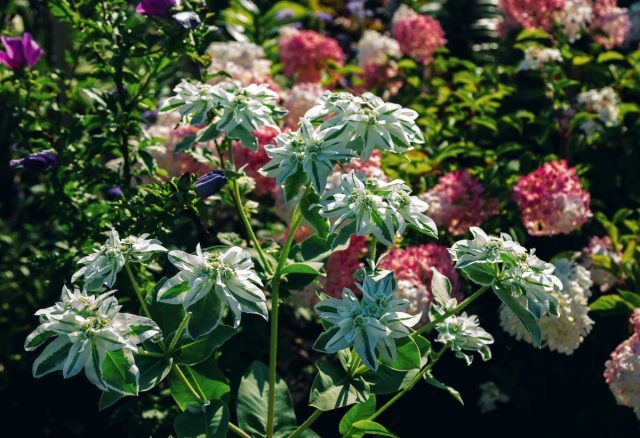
[611, 24]
[300, 99]
[419, 37]
[341, 266]
[601, 246]
[458, 202]
[531, 14]
[20, 52]
[552, 200]
[622, 371]
[412, 268]
[253, 161]
[306, 54]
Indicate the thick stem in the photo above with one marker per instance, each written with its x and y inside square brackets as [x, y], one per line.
[373, 248]
[138, 290]
[307, 423]
[239, 432]
[275, 308]
[178, 333]
[452, 311]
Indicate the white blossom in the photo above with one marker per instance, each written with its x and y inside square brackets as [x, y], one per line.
[375, 48]
[574, 19]
[490, 395]
[462, 333]
[242, 60]
[535, 58]
[604, 104]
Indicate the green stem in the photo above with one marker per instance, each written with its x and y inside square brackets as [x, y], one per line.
[307, 423]
[410, 386]
[149, 353]
[239, 432]
[178, 333]
[373, 248]
[185, 381]
[452, 311]
[275, 308]
[138, 290]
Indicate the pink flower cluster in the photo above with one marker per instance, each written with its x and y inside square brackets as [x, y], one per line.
[412, 267]
[300, 99]
[458, 202]
[419, 37]
[254, 161]
[306, 54]
[622, 371]
[551, 200]
[610, 24]
[531, 14]
[341, 266]
[601, 246]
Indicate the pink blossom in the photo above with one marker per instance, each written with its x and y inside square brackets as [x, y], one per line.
[255, 160]
[611, 25]
[341, 266]
[386, 76]
[412, 268]
[300, 99]
[601, 246]
[552, 200]
[622, 371]
[419, 37]
[20, 52]
[306, 54]
[458, 202]
[531, 14]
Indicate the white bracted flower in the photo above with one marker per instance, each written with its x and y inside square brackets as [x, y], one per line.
[364, 123]
[102, 267]
[193, 100]
[379, 208]
[304, 153]
[88, 330]
[228, 275]
[370, 325]
[462, 333]
[535, 58]
[484, 249]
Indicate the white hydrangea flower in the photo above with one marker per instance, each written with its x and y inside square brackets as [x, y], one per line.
[364, 123]
[603, 103]
[370, 325]
[566, 332]
[87, 330]
[490, 395]
[375, 48]
[462, 333]
[378, 208]
[304, 152]
[244, 61]
[229, 275]
[574, 19]
[535, 58]
[102, 267]
[402, 13]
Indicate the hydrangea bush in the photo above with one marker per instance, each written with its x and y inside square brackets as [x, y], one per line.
[260, 213]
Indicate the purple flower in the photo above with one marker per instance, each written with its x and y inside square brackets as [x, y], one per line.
[20, 52]
[324, 16]
[210, 183]
[114, 193]
[284, 14]
[37, 162]
[156, 8]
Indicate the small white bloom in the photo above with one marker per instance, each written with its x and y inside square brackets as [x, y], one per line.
[375, 49]
[484, 249]
[462, 333]
[229, 275]
[102, 267]
[193, 100]
[242, 60]
[88, 328]
[603, 103]
[490, 395]
[535, 58]
[574, 18]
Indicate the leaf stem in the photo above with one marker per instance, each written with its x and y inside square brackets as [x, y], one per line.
[178, 371]
[138, 290]
[307, 423]
[178, 333]
[373, 246]
[452, 311]
[296, 218]
[149, 353]
[235, 429]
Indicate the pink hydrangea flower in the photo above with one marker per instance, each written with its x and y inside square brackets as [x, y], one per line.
[601, 246]
[20, 52]
[611, 24]
[419, 37]
[412, 267]
[552, 200]
[306, 54]
[531, 14]
[457, 202]
[254, 161]
[300, 99]
[385, 76]
[341, 266]
[622, 371]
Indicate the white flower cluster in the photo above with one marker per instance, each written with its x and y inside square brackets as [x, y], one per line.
[379, 208]
[239, 110]
[375, 48]
[522, 272]
[603, 103]
[88, 329]
[535, 58]
[300, 99]
[565, 333]
[402, 13]
[490, 395]
[102, 267]
[243, 61]
[370, 325]
[575, 18]
[224, 277]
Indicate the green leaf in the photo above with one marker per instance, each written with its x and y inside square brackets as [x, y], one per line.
[184, 144]
[630, 297]
[481, 273]
[408, 356]
[204, 377]
[361, 411]
[153, 370]
[311, 213]
[504, 293]
[387, 380]
[611, 304]
[610, 56]
[207, 134]
[582, 60]
[198, 350]
[108, 399]
[368, 427]
[245, 137]
[118, 372]
[253, 395]
[293, 184]
[210, 421]
[438, 384]
[333, 388]
[205, 315]
[310, 268]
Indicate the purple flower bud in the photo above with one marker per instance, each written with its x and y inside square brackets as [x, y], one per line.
[150, 117]
[37, 162]
[20, 52]
[324, 16]
[210, 183]
[156, 8]
[114, 193]
[284, 14]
